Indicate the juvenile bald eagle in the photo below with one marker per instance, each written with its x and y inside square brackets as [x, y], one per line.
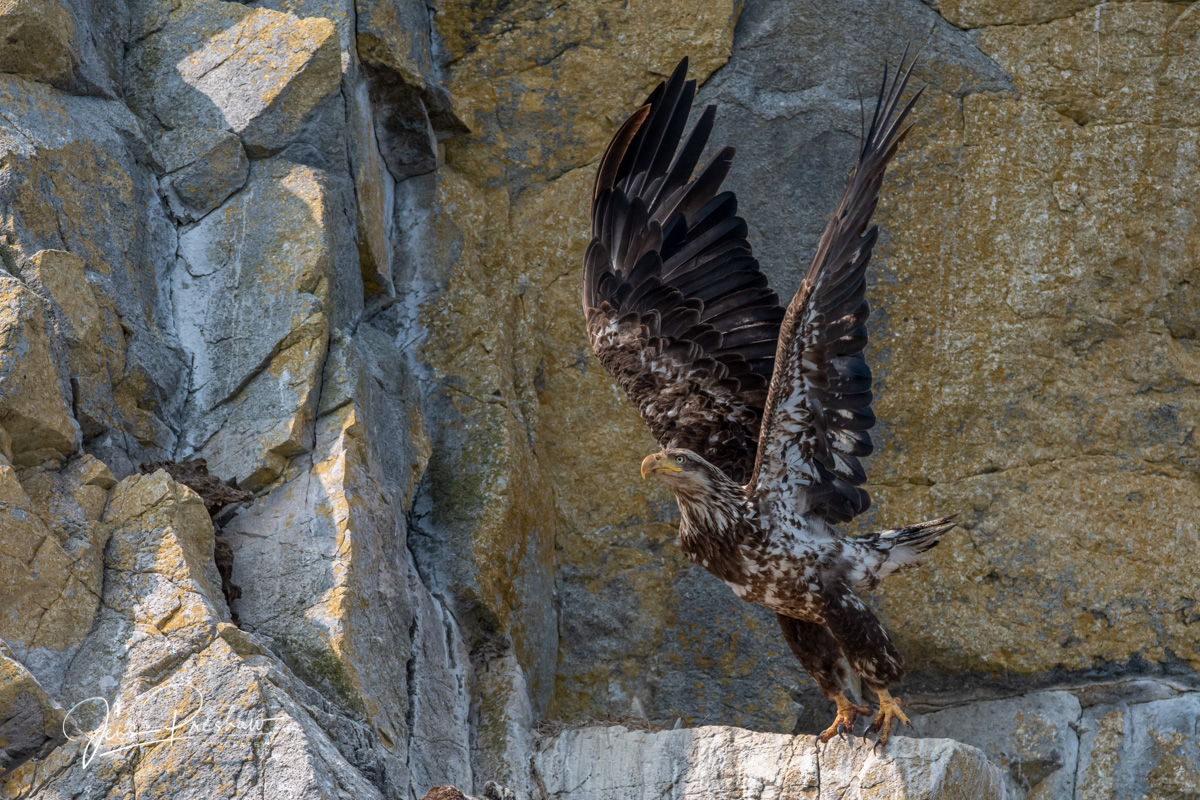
[762, 411]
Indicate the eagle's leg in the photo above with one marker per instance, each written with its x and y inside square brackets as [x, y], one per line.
[818, 652]
[868, 649]
[843, 723]
[889, 711]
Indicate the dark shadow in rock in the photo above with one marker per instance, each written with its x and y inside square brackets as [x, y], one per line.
[409, 122]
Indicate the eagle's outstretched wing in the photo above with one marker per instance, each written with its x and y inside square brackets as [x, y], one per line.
[818, 410]
[677, 309]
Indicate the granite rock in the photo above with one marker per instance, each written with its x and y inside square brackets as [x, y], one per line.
[204, 166]
[1033, 738]
[333, 247]
[1145, 749]
[37, 41]
[253, 399]
[164, 686]
[76, 176]
[35, 406]
[30, 720]
[256, 72]
[615, 763]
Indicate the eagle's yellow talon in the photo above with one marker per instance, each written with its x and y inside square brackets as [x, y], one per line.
[889, 711]
[843, 723]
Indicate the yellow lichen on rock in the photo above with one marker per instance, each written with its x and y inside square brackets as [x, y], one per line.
[1075, 580]
[73, 191]
[529, 89]
[83, 324]
[494, 485]
[31, 722]
[53, 546]
[1036, 372]
[34, 408]
[1111, 63]
[981, 13]
[38, 42]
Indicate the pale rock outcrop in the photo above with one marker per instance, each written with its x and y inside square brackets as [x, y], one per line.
[53, 546]
[324, 570]
[34, 408]
[503, 742]
[261, 263]
[1140, 746]
[614, 763]
[162, 659]
[1034, 739]
[254, 71]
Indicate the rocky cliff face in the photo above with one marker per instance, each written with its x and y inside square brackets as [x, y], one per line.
[332, 247]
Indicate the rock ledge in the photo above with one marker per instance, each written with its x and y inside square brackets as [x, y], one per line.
[615, 763]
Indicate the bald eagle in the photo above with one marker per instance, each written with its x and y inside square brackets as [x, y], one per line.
[762, 411]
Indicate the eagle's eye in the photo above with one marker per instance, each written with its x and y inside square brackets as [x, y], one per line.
[679, 459]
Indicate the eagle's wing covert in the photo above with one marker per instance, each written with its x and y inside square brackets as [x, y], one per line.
[677, 309]
[818, 410]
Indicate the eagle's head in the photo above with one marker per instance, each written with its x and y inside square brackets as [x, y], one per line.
[683, 470]
[709, 500]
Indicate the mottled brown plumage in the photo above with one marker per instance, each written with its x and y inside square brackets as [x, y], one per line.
[762, 411]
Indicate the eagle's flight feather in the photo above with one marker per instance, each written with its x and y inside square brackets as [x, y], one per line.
[762, 411]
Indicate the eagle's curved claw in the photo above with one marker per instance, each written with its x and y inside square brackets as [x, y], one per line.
[843, 723]
[889, 712]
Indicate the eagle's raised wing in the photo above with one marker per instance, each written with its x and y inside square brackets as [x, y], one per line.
[677, 309]
[818, 410]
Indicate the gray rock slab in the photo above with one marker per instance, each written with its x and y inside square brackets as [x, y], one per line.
[257, 72]
[204, 166]
[1033, 738]
[30, 720]
[614, 763]
[1147, 749]
[252, 289]
[76, 175]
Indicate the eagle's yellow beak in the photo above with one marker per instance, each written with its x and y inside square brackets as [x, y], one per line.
[658, 463]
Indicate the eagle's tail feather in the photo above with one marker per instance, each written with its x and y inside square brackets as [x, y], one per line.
[902, 547]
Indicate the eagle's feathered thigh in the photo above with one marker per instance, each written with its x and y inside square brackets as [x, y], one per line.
[762, 410]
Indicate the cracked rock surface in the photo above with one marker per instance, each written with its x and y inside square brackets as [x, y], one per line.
[332, 247]
[615, 763]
